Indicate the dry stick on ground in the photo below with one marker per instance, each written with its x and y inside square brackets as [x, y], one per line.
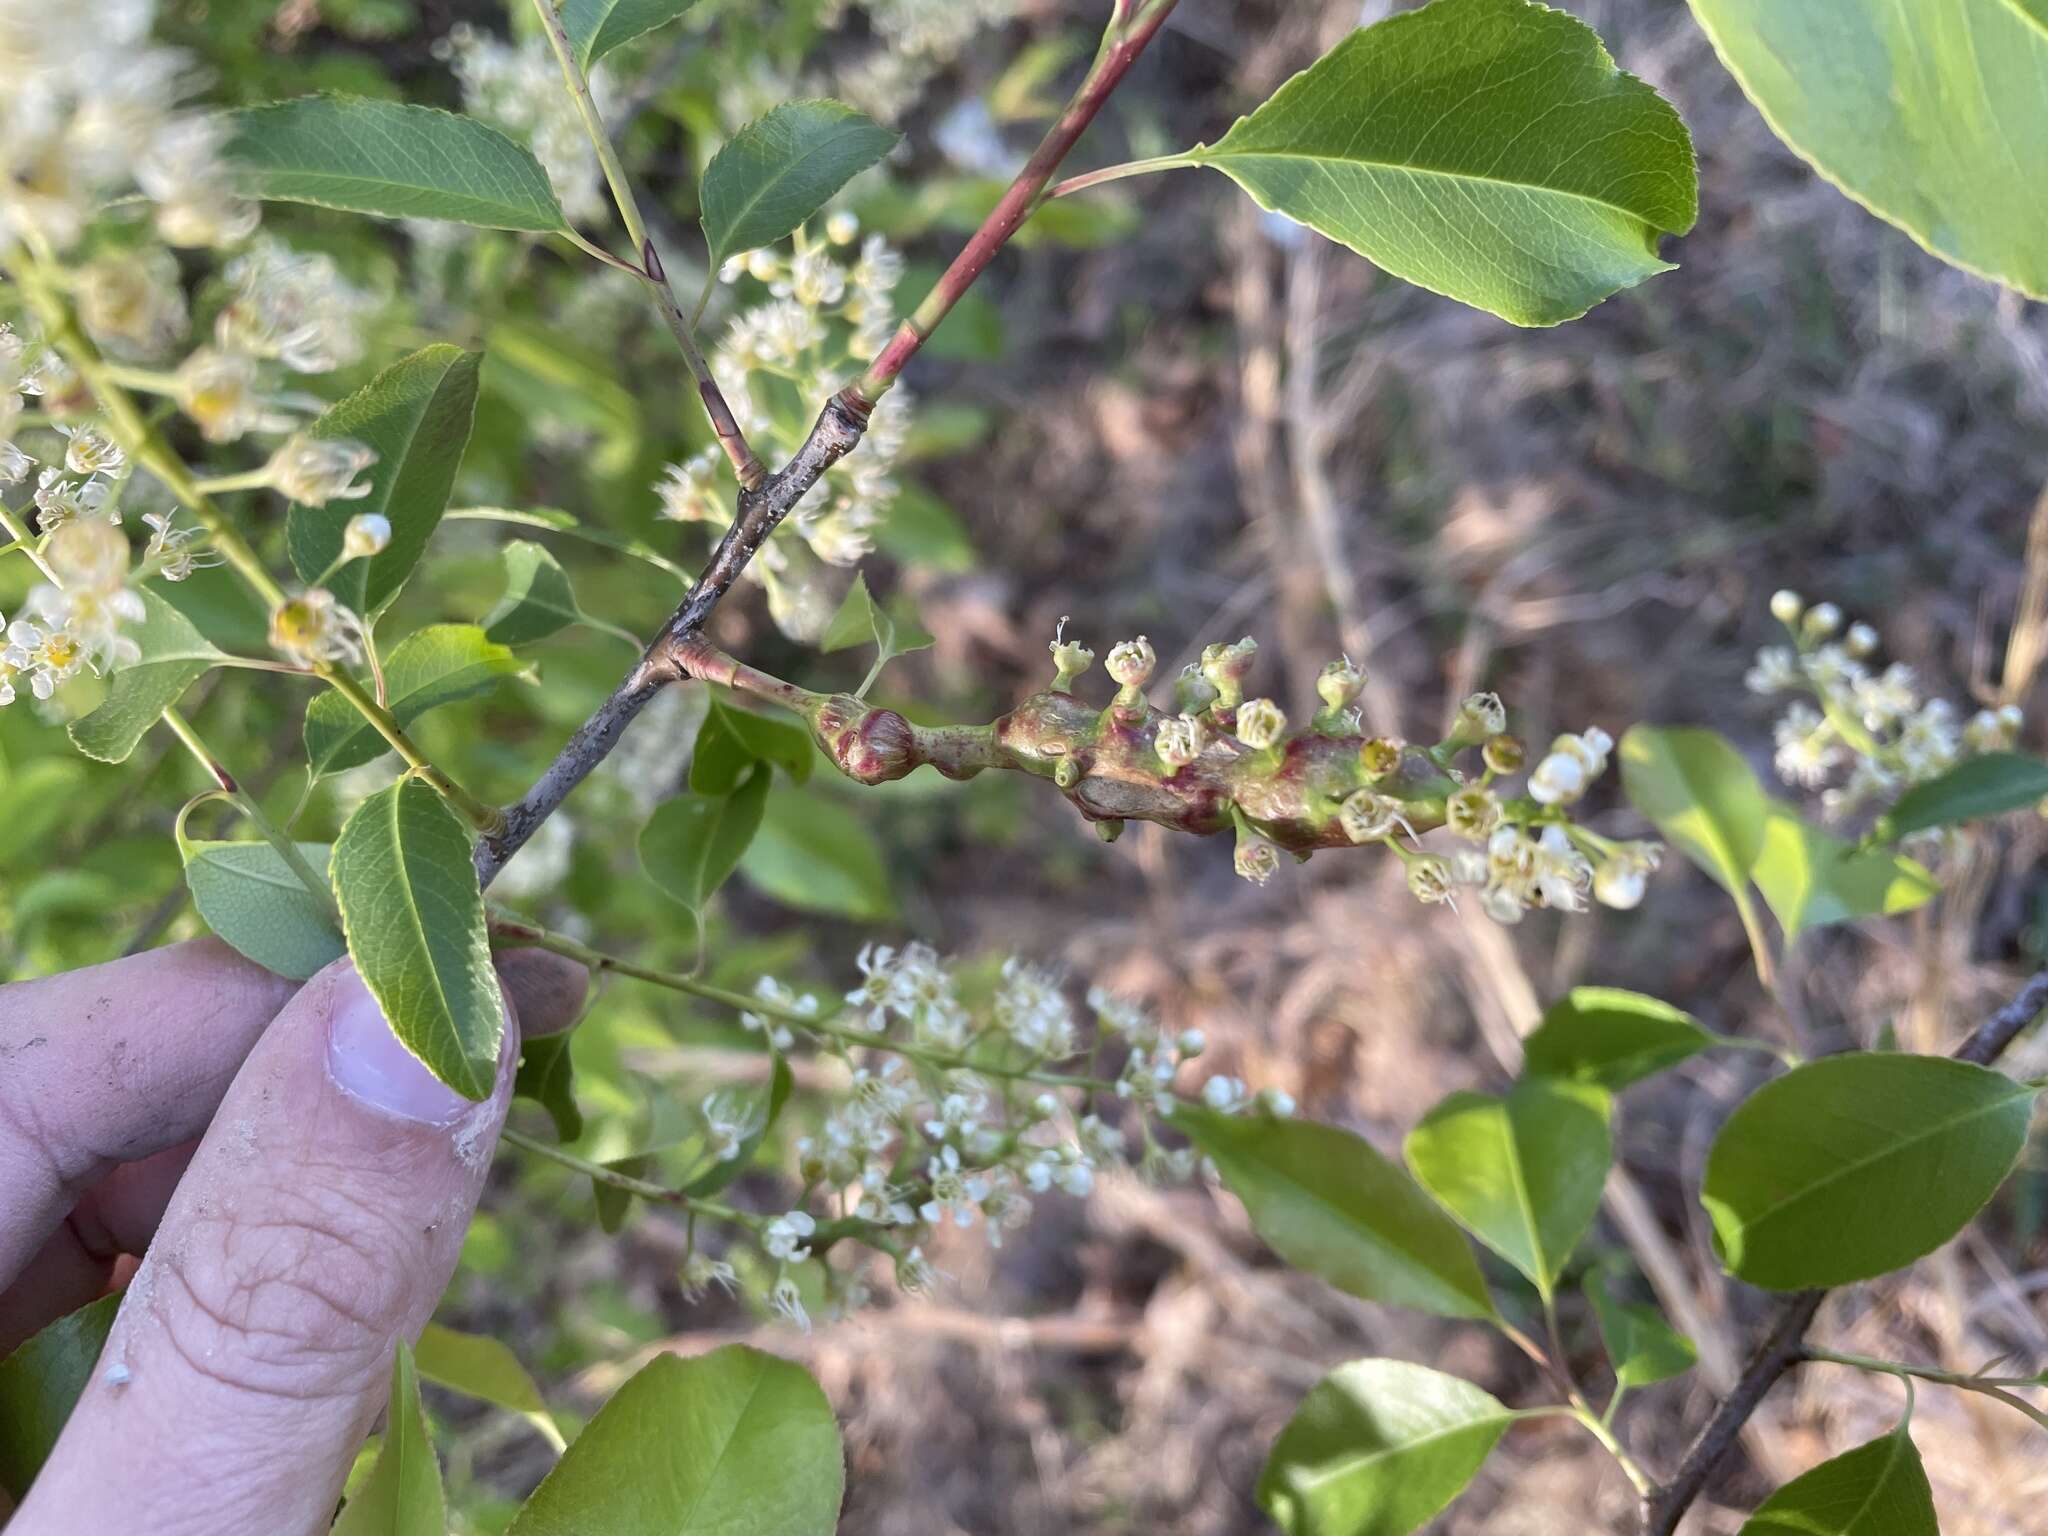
[1784, 1344]
[836, 433]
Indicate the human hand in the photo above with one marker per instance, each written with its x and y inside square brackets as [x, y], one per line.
[301, 1184]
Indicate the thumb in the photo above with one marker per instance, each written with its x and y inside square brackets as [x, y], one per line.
[319, 1221]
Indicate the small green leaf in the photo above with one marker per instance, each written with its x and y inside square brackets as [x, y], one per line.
[1641, 1346]
[416, 416]
[258, 904]
[732, 740]
[1810, 877]
[174, 656]
[40, 1383]
[815, 855]
[1523, 1172]
[415, 925]
[402, 1494]
[1990, 784]
[428, 668]
[613, 1203]
[782, 168]
[1879, 1489]
[548, 1077]
[692, 843]
[391, 159]
[596, 27]
[734, 1441]
[538, 600]
[1701, 794]
[920, 529]
[1326, 1202]
[863, 621]
[1377, 1448]
[1487, 150]
[1927, 113]
[485, 1369]
[1606, 1036]
[1853, 1166]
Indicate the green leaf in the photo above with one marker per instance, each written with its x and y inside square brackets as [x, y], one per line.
[548, 1077]
[40, 1383]
[174, 656]
[1642, 1347]
[1487, 150]
[1523, 1172]
[1811, 878]
[416, 415]
[402, 1494]
[1853, 1166]
[731, 740]
[1929, 114]
[483, 1368]
[920, 529]
[415, 925]
[613, 1203]
[1610, 1037]
[815, 855]
[1377, 1448]
[258, 905]
[1879, 1489]
[1990, 784]
[1702, 796]
[596, 27]
[732, 1442]
[556, 521]
[538, 600]
[863, 621]
[782, 168]
[391, 159]
[692, 843]
[428, 668]
[1326, 1202]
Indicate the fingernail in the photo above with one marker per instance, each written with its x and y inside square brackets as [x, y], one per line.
[367, 1061]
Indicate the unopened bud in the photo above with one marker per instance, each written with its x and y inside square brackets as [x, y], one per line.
[1260, 724]
[1339, 683]
[1191, 1043]
[1505, 754]
[366, 535]
[1225, 666]
[1860, 641]
[763, 265]
[1131, 662]
[1823, 619]
[841, 226]
[1786, 606]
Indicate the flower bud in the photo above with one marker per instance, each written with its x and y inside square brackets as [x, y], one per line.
[1260, 724]
[1225, 666]
[763, 264]
[1276, 1102]
[1621, 877]
[88, 555]
[1381, 756]
[1504, 754]
[1223, 1094]
[1786, 606]
[1339, 683]
[1191, 1043]
[1180, 741]
[1131, 662]
[1860, 641]
[1558, 780]
[366, 534]
[1472, 813]
[1480, 716]
[316, 470]
[841, 226]
[1822, 620]
[1367, 815]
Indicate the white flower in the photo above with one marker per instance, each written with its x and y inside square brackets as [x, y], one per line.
[1260, 723]
[1808, 751]
[700, 1274]
[296, 309]
[783, 1238]
[1131, 662]
[316, 470]
[788, 1303]
[955, 1193]
[1482, 714]
[1429, 881]
[313, 628]
[218, 390]
[1180, 740]
[1776, 669]
[91, 451]
[1030, 1008]
[1367, 815]
[1619, 879]
[1224, 1094]
[915, 1275]
[167, 549]
[1256, 860]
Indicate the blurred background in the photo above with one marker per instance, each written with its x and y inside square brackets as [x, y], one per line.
[1165, 413]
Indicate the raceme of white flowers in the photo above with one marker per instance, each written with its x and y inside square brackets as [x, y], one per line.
[819, 312]
[1859, 732]
[956, 1113]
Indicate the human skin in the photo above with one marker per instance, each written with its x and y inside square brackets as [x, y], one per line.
[297, 1185]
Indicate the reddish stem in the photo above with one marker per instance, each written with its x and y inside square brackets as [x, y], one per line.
[1133, 27]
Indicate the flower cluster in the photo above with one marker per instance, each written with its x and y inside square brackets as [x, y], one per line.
[1861, 733]
[915, 40]
[518, 87]
[820, 312]
[962, 1106]
[72, 623]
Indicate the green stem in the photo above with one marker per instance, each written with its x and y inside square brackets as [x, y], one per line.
[1598, 1429]
[1988, 1386]
[1109, 173]
[485, 818]
[248, 805]
[660, 1193]
[247, 480]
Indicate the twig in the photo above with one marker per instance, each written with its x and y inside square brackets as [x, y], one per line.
[1783, 1345]
[835, 434]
